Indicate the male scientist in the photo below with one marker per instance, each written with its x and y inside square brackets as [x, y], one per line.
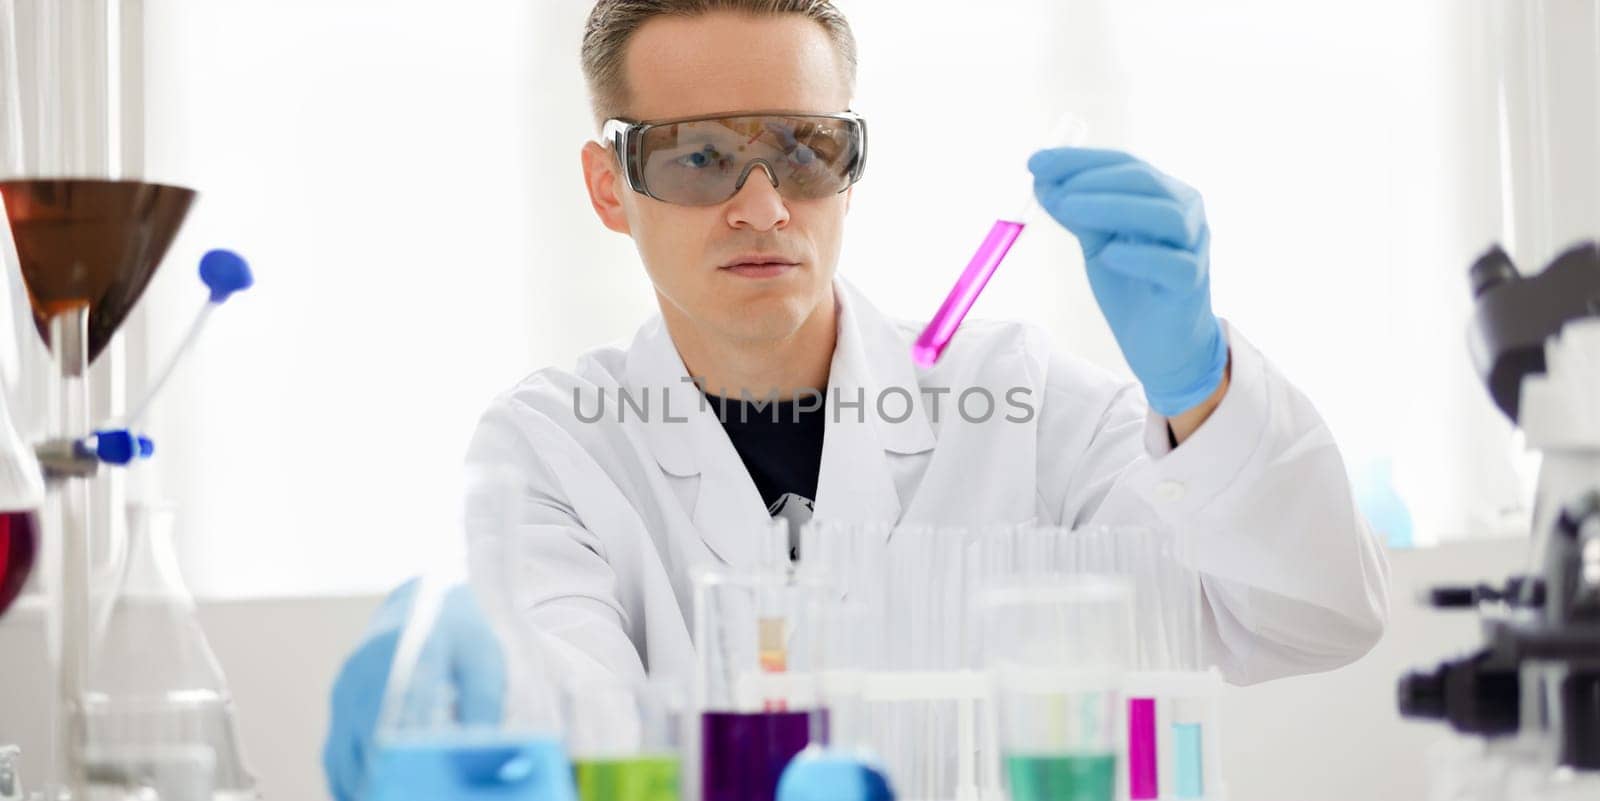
[728, 153]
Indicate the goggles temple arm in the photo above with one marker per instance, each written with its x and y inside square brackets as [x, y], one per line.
[616, 134]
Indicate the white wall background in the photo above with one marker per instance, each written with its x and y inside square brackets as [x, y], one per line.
[404, 177]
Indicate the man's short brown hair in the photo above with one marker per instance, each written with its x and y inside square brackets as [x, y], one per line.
[613, 22]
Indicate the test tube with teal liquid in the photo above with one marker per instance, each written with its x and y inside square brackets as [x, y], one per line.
[1056, 649]
[1173, 732]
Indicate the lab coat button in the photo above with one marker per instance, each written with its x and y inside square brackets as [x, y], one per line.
[1170, 491]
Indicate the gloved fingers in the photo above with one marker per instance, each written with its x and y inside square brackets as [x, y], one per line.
[1168, 267]
[1058, 164]
[341, 765]
[1129, 178]
[1092, 242]
[357, 696]
[391, 616]
[477, 667]
[1155, 219]
[355, 701]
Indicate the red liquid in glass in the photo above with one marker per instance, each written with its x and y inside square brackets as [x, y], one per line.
[18, 539]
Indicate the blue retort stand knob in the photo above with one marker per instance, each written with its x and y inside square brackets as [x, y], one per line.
[224, 273]
[817, 774]
[118, 446]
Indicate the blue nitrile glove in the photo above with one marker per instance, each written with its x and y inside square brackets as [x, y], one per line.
[462, 660]
[1146, 245]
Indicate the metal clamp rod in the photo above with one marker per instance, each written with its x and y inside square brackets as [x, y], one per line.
[64, 459]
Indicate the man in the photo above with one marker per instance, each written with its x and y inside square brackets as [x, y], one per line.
[728, 154]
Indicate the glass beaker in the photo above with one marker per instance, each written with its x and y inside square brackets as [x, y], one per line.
[1056, 650]
[626, 739]
[156, 695]
[757, 691]
[843, 761]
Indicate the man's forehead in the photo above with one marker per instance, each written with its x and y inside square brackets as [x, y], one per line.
[718, 63]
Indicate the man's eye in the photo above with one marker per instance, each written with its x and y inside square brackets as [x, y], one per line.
[699, 158]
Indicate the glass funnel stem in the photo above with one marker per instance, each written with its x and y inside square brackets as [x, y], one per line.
[69, 348]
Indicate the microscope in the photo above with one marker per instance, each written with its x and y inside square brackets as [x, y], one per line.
[1532, 691]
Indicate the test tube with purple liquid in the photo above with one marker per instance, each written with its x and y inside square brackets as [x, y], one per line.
[1069, 132]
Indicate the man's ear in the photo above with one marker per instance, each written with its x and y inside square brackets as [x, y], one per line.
[603, 178]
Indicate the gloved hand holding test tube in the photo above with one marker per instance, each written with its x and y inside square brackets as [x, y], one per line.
[1069, 131]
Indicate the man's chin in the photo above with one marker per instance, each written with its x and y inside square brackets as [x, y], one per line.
[771, 328]
[771, 317]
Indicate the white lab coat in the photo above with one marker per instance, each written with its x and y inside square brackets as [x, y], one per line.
[617, 516]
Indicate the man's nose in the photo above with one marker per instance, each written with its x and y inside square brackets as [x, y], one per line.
[756, 204]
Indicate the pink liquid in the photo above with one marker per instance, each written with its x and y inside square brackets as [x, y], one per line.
[18, 538]
[931, 344]
[1142, 781]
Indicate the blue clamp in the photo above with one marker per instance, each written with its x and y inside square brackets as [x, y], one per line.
[119, 446]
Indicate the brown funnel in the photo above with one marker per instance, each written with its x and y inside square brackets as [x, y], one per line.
[91, 242]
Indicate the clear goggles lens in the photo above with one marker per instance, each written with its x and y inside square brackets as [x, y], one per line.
[704, 162]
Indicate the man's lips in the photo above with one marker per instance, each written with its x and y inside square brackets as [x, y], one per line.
[759, 267]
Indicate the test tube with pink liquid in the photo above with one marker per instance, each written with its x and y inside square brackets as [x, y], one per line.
[1069, 131]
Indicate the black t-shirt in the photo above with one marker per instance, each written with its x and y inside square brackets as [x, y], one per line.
[781, 445]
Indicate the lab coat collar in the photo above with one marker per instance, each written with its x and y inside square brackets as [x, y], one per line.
[655, 368]
[871, 363]
[871, 366]
[871, 353]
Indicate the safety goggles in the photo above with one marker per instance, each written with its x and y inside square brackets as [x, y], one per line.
[703, 161]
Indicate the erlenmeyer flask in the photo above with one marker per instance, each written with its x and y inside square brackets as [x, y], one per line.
[156, 695]
[18, 543]
[21, 493]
